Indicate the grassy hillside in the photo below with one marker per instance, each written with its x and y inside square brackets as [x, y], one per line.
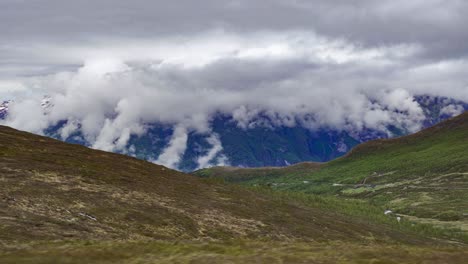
[53, 190]
[67, 203]
[423, 176]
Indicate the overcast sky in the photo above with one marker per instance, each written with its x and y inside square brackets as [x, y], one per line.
[113, 66]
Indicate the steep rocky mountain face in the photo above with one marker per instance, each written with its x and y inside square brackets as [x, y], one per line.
[262, 143]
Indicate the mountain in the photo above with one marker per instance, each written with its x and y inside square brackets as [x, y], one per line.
[423, 176]
[262, 143]
[53, 190]
[66, 203]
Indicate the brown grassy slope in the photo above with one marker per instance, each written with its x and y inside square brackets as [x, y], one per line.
[53, 190]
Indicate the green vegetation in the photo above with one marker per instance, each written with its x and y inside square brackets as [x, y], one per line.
[66, 203]
[370, 212]
[424, 175]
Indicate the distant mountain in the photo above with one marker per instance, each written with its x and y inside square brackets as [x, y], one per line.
[263, 144]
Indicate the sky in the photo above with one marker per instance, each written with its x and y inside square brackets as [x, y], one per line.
[111, 67]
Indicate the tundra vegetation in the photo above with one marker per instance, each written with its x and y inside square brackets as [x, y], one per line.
[65, 203]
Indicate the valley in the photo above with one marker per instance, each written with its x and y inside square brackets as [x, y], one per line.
[68, 202]
[233, 132]
[421, 177]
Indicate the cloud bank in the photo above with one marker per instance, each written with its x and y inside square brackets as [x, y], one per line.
[345, 65]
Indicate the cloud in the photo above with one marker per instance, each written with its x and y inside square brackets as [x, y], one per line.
[113, 68]
[216, 148]
[31, 119]
[176, 148]
[290, 78]
[452, 110]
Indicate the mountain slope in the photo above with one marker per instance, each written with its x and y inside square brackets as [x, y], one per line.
[53, 190]
[67, 203]
[424, 175]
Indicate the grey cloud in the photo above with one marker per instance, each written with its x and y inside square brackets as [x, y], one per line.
[438, 25]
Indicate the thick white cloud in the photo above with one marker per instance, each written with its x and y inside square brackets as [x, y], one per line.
[213, 152]
[176, 148]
